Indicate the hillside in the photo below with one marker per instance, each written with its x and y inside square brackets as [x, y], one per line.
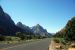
[7, 25]
[68, 32]
[25, 28]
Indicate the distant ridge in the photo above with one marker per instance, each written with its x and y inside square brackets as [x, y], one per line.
[9, 28]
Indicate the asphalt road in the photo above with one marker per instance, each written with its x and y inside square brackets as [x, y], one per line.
[38, 45]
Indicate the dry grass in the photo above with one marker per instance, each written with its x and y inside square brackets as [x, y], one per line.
[71, 48]
[56, 45]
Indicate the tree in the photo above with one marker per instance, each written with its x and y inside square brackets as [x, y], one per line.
[21, 35]
[69, 32]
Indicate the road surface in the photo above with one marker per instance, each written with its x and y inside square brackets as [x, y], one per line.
[38, 45]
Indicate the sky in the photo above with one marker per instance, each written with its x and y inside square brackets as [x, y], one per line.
[51, 14]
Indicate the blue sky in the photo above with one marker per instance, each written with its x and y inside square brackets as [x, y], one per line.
[51, 14]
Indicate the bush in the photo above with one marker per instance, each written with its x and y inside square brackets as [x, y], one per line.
[16, 38]
[20, 35]
[73, 46]
[2, 38]
[56, 40]
[8, 38]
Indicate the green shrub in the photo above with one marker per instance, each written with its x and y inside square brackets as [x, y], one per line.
[2, 38]
[16, 38]
[8, 38]
[56, 40]
[21, 35]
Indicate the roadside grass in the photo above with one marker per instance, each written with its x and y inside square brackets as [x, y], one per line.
[10, 40]
[62, 43]
[16, 40]
[17, 43]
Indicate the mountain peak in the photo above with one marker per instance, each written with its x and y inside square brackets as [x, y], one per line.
[19, 23]
[1, 8]
[1, 11]
[39, 30]
[38, 25]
